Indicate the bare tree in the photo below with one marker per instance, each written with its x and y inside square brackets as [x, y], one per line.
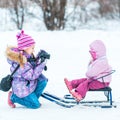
[4, 3]
[107, 7]
[78, 13]
[119, 7]
[17, 11]
[53, 13]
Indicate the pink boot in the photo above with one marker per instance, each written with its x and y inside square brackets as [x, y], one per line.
[68, 84]
[10, 103]
[76, 95]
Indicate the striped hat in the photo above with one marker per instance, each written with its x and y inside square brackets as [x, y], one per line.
[24, 41]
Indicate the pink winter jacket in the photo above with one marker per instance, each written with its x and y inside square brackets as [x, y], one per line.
[100, 66]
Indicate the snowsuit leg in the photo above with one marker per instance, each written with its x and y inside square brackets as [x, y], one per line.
[97, 85]
[42, 82]
[82, 87]
[75, 83]
[86, 84]
[32, 100]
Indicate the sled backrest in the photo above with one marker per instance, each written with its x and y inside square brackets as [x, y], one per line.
[111, 72]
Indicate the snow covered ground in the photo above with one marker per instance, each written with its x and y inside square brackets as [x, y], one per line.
[69, 58]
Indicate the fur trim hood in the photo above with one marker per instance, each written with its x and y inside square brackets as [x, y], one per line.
[15, 56]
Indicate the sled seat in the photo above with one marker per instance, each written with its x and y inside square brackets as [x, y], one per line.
[107, 90]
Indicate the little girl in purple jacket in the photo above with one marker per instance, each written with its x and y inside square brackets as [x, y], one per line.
[28, 81]
[97, 68]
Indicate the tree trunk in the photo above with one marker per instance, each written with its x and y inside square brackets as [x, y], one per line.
[54, 12]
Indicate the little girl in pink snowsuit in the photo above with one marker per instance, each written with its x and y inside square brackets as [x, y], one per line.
[97, 68]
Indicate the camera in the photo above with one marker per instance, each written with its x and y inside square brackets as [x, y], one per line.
[43, 55]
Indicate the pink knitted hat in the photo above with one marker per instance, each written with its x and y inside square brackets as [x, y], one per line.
[24, 41]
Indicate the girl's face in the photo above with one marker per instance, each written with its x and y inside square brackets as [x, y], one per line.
[93, 54]
[30, 50]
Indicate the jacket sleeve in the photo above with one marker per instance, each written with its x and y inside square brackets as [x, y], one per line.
[97, 68]
[31, 74]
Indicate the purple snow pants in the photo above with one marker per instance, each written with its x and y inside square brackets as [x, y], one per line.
[83, 85]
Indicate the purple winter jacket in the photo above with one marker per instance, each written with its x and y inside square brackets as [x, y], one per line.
[20, 85]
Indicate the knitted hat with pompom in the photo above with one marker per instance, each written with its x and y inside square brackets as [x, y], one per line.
[24, 41]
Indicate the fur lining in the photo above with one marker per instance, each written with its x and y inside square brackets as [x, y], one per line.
[15, 56]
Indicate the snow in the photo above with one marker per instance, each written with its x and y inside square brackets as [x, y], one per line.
[69, 58]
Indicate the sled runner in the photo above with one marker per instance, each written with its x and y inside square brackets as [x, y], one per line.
[57, 100]
[70, 102]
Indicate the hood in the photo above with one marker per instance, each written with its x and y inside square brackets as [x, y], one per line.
[99, 47]
[15, 56]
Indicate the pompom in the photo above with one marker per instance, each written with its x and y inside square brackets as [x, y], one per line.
[19, 34]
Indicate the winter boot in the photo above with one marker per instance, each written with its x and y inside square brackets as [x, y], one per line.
[10, 103]
[76, 95]
[68, 84]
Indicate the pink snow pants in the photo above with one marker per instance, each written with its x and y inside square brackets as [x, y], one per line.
[83, 85]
